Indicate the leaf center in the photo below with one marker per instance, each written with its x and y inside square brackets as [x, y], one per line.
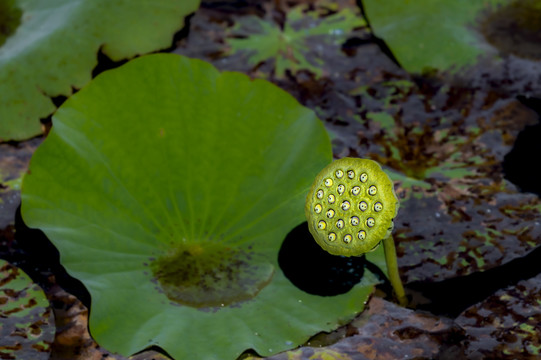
[205, 275]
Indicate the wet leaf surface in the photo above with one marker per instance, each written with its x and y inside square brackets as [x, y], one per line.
[461, 214]
[26, 320]
[507, 325]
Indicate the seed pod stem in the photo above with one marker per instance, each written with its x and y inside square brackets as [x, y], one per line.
[392, 270]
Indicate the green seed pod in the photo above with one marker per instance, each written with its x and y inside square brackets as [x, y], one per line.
[361, 196]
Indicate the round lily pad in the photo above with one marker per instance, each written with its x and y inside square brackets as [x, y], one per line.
[168, 188]
[27, 326]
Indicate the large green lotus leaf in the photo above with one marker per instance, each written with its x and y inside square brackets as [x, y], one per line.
[431, 34]
[51, 47]
[168, 188]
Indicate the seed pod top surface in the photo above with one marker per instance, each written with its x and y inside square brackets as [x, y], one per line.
[351, 206]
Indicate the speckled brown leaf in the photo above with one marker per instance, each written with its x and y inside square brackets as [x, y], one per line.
[445, 146]
[72, 340]
[385, 331]
[13, 164]
[507, 325]
[458, 214]
[26, 320]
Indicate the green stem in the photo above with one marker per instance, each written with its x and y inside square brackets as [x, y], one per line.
[392, 269]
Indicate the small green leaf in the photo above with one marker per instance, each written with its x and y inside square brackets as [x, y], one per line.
[263, 40]
[54, 50]
[168, 189]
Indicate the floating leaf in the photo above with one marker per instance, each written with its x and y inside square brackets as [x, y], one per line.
[54, 50]
[27, 327]
[425, 34]
[168, 189]
[506, 325]
[264, 40]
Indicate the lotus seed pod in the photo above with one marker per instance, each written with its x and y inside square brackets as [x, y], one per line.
[360, 199]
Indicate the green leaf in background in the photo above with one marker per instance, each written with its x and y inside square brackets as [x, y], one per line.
[168, 188]
[27, 324]
[424, 34]
[54, 49]
[10, 19]
[263, 39]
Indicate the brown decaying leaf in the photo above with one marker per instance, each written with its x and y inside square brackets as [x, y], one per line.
[507, 325]
[26, 320]
[14, 159]
[72, 340]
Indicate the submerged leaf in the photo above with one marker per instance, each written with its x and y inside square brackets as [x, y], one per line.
[289, 47]
[168, 189]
